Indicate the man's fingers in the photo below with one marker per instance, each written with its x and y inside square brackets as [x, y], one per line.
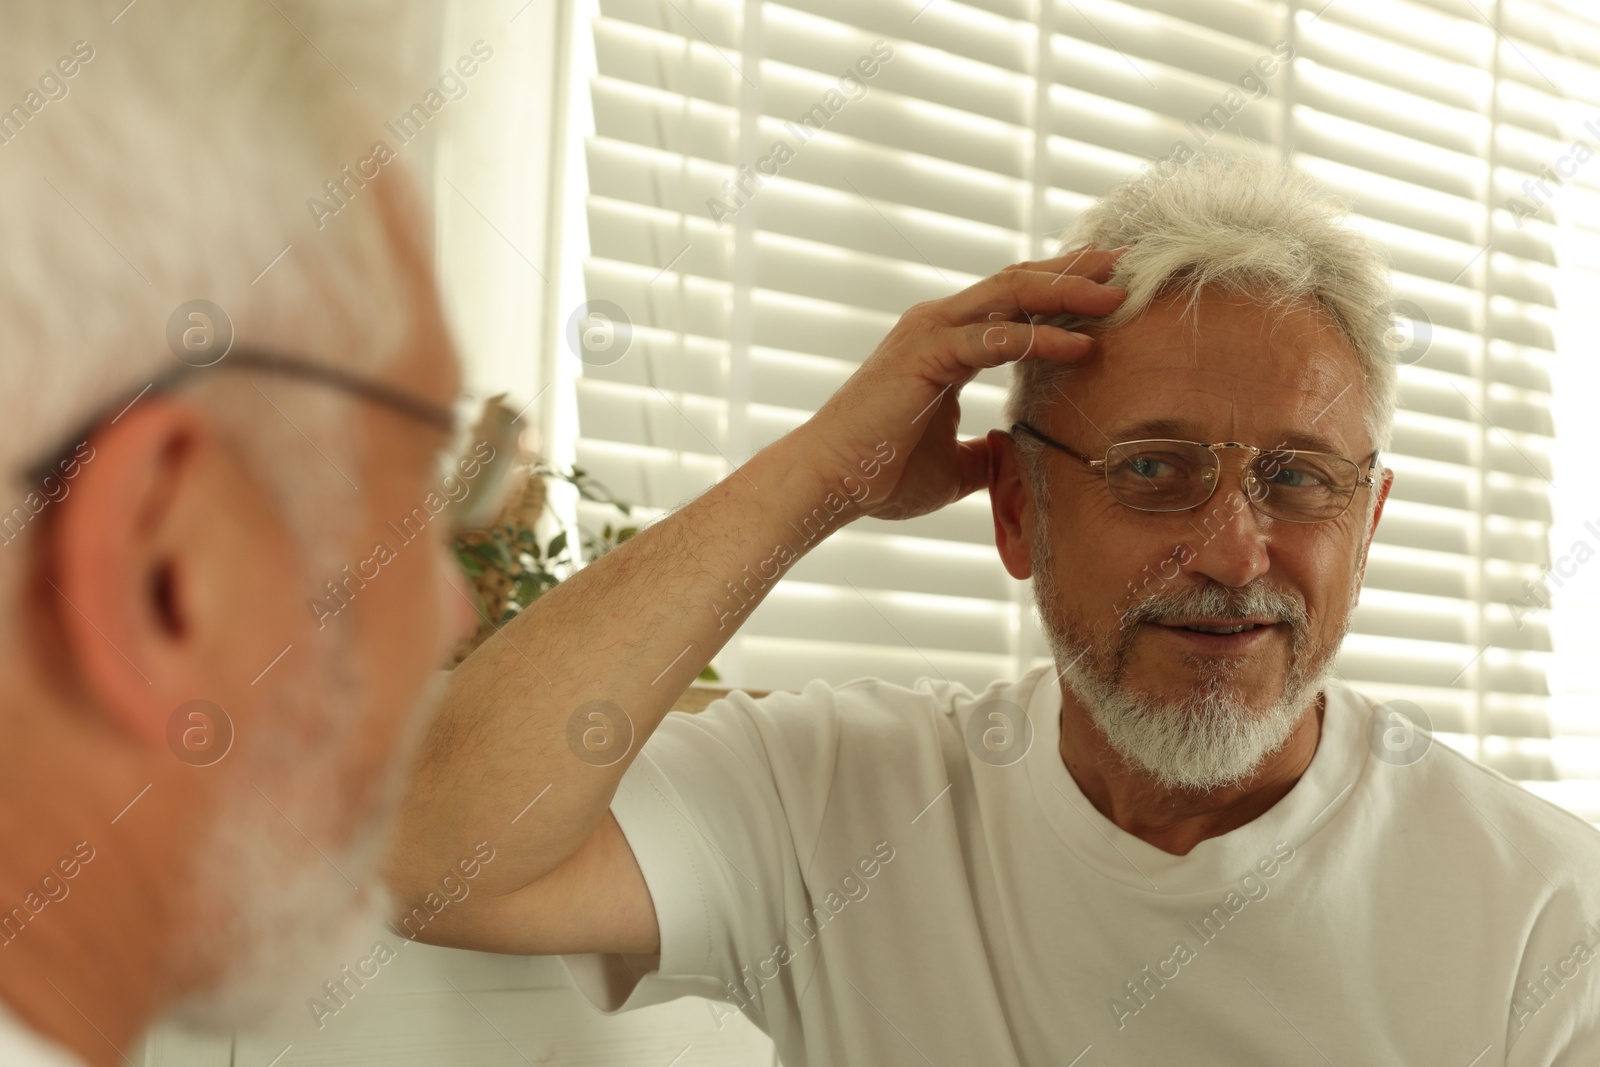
[1088, 261]
[1019, 292]
[992, 344]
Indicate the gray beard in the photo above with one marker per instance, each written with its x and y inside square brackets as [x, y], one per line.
[282, 918]
[1210, 738]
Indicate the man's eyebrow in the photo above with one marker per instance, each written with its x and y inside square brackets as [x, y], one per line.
[1174, 429]
[1305, 442]
[1181, 430]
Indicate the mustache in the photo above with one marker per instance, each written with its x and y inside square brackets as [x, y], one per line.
[1215, 600]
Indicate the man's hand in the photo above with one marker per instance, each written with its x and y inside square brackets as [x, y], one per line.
[508, 762]
[906, 392]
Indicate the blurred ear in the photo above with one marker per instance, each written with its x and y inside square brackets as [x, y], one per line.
[1011, 502]
[151, 557]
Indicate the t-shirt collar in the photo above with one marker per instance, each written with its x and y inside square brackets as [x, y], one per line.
[1313, 802]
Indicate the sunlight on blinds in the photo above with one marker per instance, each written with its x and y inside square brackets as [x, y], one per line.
[1559, 198]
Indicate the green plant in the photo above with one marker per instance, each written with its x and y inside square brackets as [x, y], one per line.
[510, 569]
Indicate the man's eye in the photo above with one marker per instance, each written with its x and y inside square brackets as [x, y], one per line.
[1303, 474]
[1294, 479]
[1151, 467]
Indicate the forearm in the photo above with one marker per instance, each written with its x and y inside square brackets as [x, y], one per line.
[622, 638]
[516, 760]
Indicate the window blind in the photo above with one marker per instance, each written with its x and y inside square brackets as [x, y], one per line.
[761, 209]
[1559, 203]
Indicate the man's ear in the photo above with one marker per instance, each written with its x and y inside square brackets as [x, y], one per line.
[132, 564]
[1011, 502]
[1382, 489]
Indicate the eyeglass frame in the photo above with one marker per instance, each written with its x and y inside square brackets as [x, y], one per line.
[265, 361]
[1367, 482]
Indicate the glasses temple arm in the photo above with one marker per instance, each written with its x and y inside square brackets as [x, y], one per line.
[1057, 445]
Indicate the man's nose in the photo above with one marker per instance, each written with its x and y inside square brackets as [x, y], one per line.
[1230, 536]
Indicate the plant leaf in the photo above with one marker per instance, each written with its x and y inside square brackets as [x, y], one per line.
[493, 554]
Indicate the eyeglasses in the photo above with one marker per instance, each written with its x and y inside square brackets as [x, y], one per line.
[486, 485]
[1163, 476]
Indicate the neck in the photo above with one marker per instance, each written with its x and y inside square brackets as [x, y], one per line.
[1176, 820]
[83, 920]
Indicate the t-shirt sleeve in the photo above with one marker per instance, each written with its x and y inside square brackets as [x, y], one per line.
[1555, 1007]
[721, 809]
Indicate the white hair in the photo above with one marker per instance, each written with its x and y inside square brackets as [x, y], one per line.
[1240, 225]
[174, 164]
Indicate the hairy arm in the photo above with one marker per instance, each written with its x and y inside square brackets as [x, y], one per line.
[556, 706]
[553, 710]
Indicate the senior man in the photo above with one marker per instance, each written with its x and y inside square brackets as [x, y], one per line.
[1186, 842]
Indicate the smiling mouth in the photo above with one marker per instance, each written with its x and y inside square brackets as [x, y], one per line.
[1239, 628]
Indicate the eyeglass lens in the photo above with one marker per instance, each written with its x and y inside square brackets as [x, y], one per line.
[1177, 475]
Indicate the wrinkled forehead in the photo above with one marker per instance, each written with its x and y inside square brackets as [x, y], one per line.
[1222, 368]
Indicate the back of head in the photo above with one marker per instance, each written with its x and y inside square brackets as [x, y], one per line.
[163, 153]
[1242, 226]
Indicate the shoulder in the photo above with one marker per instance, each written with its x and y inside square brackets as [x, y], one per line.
[1466, 797]
[865, 706]
[849, 735]
[1516, 813]
[879, 714]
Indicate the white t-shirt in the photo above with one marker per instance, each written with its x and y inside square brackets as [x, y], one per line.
[20, 1046]
[842, 864]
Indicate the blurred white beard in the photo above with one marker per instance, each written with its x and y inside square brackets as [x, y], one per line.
[280, 917]
[1212, 737]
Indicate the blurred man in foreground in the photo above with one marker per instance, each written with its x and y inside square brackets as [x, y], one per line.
[199, 773]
